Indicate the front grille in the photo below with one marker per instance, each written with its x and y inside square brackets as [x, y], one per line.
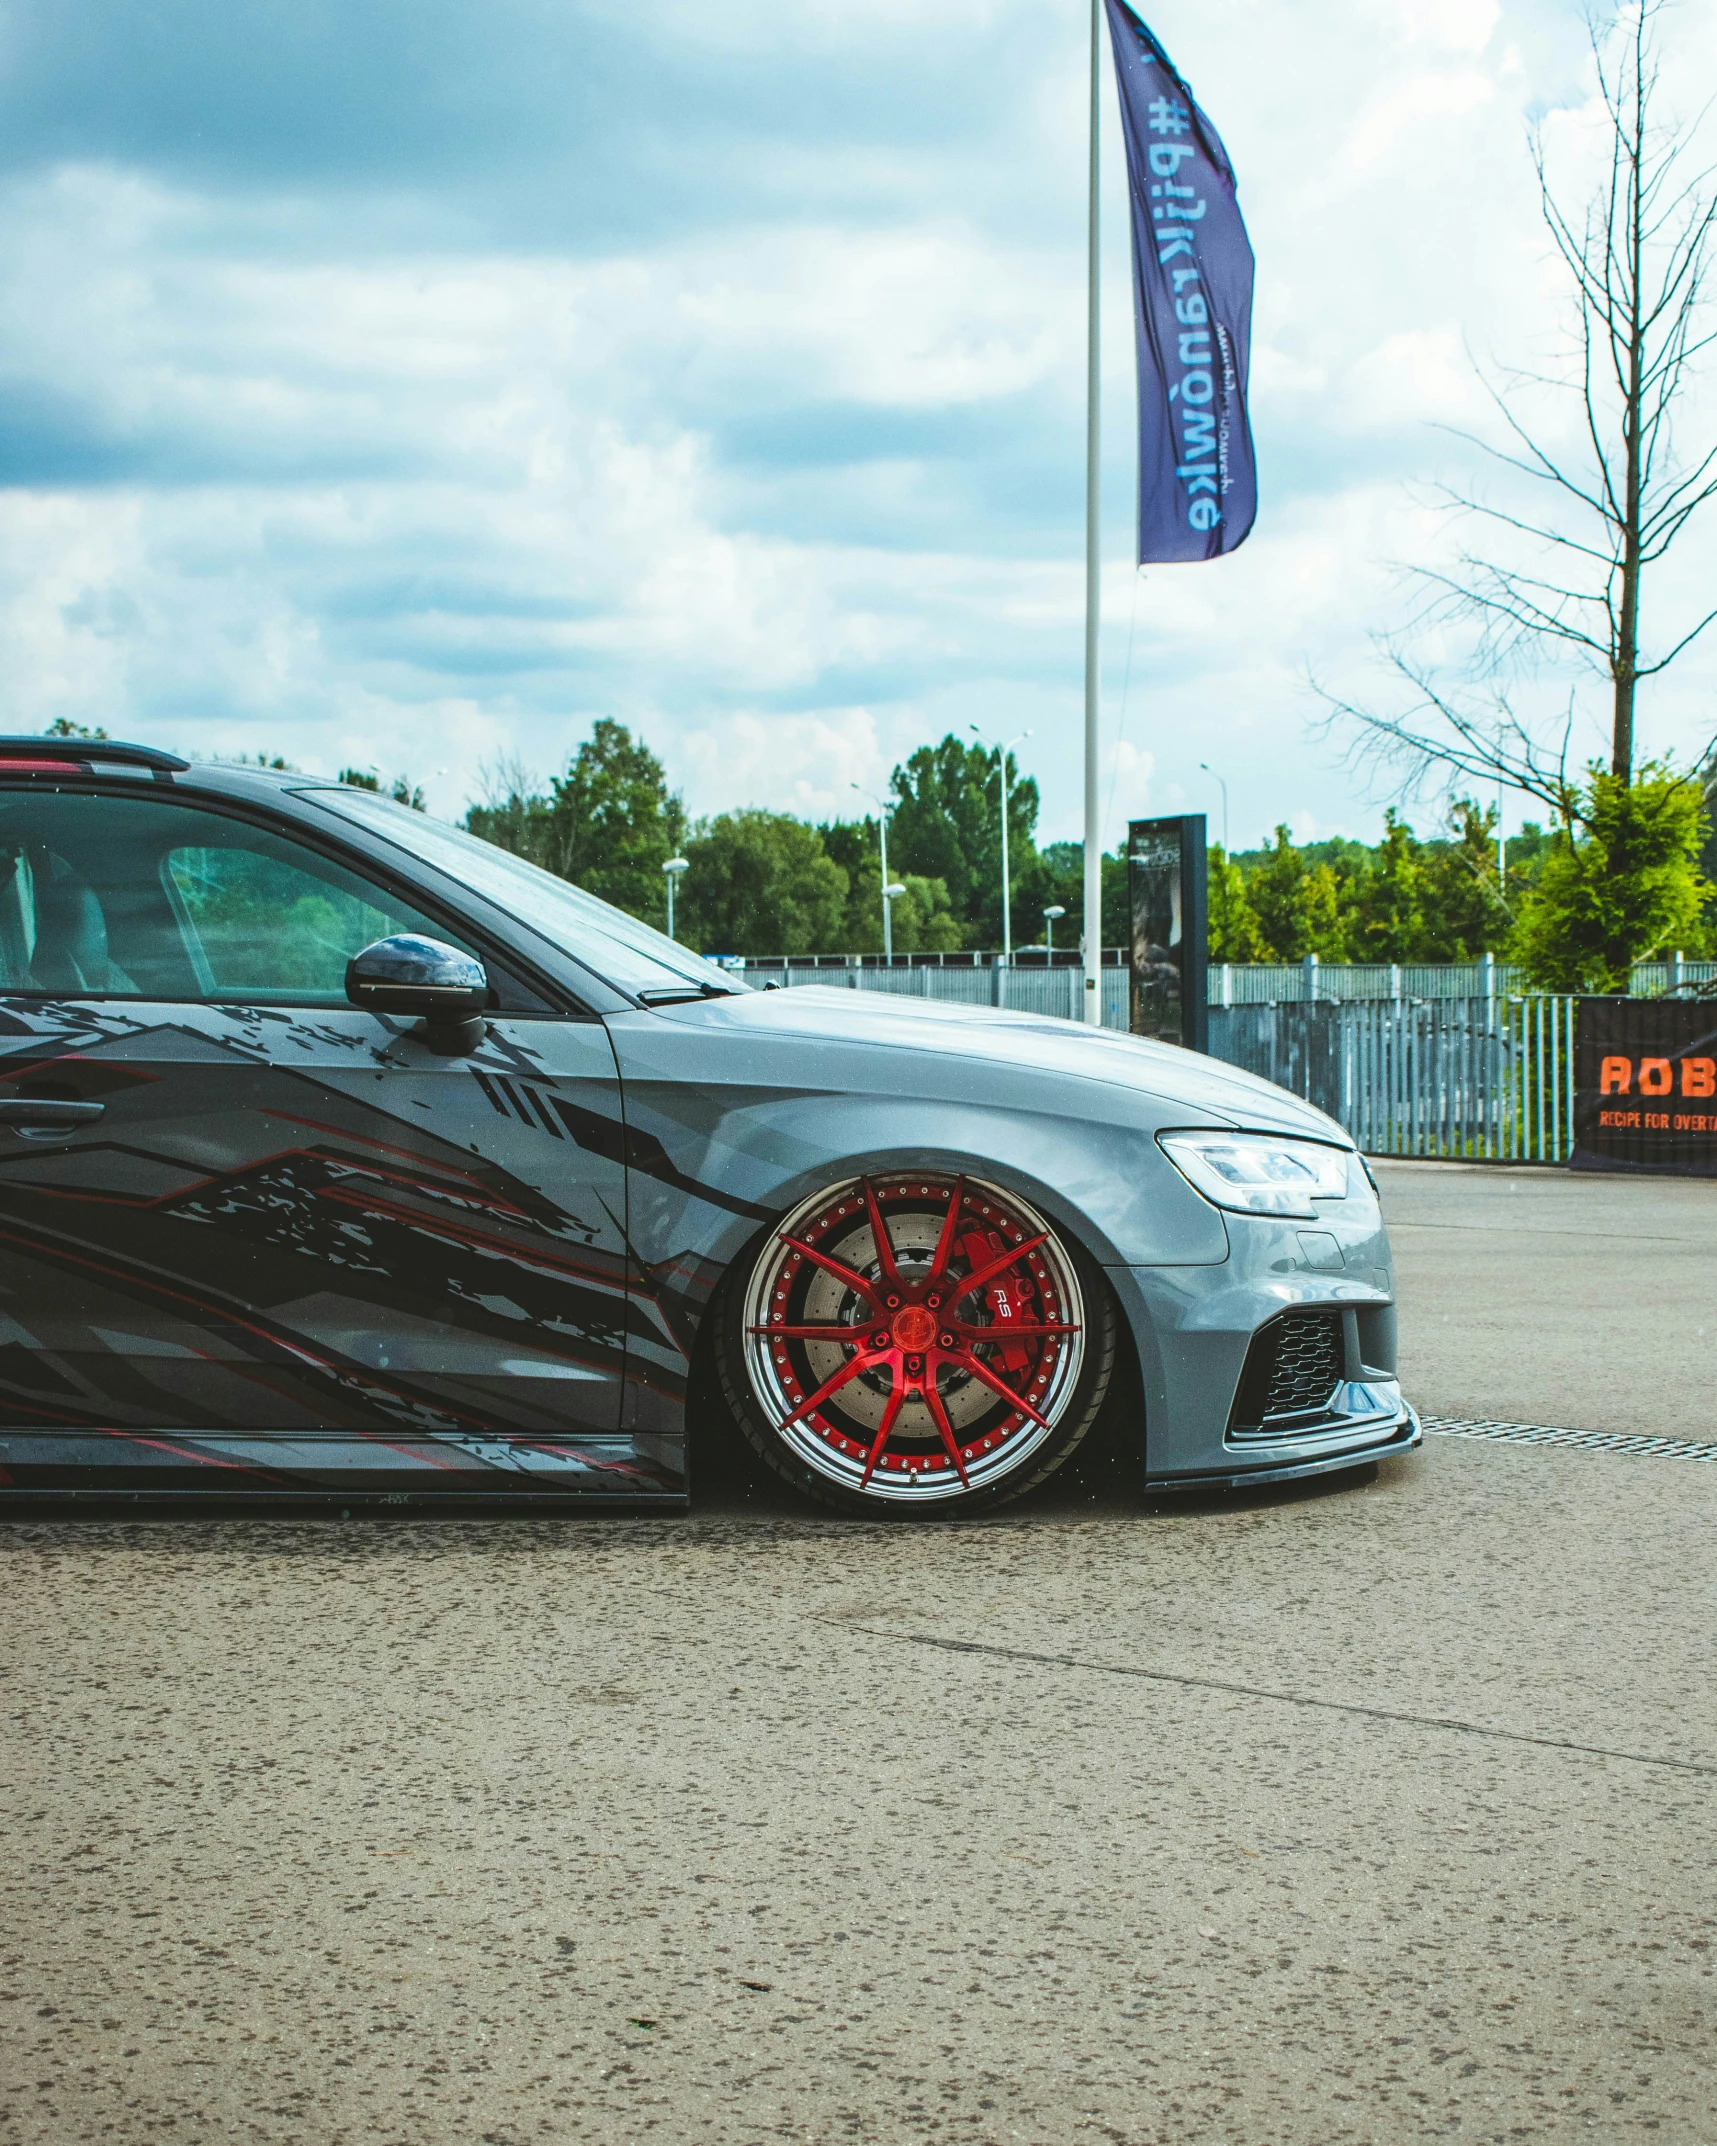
[1292, 1368]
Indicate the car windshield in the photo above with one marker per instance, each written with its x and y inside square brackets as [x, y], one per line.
[632, 956]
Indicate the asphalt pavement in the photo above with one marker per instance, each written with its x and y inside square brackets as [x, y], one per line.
[1557, 1297]
[1381, 1810]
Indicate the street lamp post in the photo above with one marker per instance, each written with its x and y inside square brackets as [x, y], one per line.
[884, 806]
[672, 869]
[1049, 917]
[1209, 770]
[1001, 752]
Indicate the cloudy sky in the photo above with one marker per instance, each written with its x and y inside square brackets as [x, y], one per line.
[410, 384]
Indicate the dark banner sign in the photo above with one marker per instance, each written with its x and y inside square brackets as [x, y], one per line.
[1192, 291]
[1645, 1094]
[1167, 882]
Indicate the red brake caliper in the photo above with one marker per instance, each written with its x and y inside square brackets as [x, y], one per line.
[1008, 1298]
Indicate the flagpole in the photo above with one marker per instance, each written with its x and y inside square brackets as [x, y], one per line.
[1093, 902]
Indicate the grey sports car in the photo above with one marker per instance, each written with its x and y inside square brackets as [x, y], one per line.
[344, 1154]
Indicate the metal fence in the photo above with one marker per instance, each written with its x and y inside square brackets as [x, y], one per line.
[1041, 987]
[1265, 983]
[1480, 1078]
[1258, 983]
[1058, 991]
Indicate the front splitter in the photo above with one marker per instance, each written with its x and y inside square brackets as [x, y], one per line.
[1404, 1437]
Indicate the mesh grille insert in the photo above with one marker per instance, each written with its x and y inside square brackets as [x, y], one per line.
[1292, 1368]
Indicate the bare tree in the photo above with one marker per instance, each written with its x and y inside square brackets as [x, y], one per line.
[504, 779]
[1563, 577]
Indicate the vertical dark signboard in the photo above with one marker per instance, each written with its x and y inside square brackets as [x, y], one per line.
[1645, 1086]
[1167, 886]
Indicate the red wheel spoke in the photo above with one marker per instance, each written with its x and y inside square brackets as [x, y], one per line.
[982, 1370]
[951, 1222]
[858, 1336]
[999, 1265]
[879, 1235]
[934, 1400]
[849, 1370]
[896, 1401]
[850, 1275]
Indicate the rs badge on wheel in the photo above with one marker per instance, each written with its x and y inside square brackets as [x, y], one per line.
[917, 1339]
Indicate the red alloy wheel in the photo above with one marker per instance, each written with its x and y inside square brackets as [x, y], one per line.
[915, 1338]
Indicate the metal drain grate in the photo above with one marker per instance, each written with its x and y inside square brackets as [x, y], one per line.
[1535, 1434]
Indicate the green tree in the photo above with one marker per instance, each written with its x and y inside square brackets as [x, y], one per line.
[1325, 914]
[1276, 887]
[924, 922]
[402, 789]
[1300, 908]
[1234, 934]
[923, 919]
[62, 726]
[760, 883]
[1387, 913]
[609, 823]
[852, 844]
[613, 823]
[939, 820]
[1062, 869]
[515, 814]
[1465, 912]
[1619, 883]
[1527, 851]
[947, 826]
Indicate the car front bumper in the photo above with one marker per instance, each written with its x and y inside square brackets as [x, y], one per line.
[1193, 1326]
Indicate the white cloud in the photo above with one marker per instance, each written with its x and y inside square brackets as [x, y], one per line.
[778, 462]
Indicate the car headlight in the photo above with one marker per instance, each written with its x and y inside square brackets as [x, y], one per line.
[1258, 1173]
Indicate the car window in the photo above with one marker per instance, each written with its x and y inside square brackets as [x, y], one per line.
[631, 955]
[138, 898]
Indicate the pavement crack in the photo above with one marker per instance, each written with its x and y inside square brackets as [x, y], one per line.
[1452, 1723]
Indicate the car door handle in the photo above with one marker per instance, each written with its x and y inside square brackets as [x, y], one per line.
[44, 1114]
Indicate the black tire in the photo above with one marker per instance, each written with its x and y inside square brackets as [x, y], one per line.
[971, 1445]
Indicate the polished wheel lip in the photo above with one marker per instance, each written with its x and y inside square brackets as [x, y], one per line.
[887, 1338]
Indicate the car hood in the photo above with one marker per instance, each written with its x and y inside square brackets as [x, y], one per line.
[1208, 1091]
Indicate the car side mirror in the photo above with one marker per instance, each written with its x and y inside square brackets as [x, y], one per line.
[409, 975]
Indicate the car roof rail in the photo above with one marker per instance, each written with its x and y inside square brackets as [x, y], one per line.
[82, 756]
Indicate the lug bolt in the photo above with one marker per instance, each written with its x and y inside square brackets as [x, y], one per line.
[947, 1341]
[894, 1303]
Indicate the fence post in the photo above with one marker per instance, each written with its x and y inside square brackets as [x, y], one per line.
[1395, 981]
[1487, 975]
[1676, 977]
[997, 972]
[1228, 983]
[1309, 979]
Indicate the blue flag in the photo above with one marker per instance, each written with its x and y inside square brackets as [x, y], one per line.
[1192, 281]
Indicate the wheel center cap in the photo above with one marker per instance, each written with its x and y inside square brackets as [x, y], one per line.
[913, 1329]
